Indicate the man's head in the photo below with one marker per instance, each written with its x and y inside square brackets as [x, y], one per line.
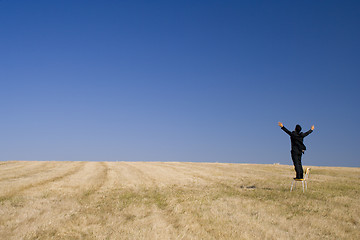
[298, 128]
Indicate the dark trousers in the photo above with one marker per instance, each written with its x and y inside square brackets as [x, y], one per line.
[296, 157]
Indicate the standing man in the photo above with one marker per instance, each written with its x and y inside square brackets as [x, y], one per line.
[297, 147]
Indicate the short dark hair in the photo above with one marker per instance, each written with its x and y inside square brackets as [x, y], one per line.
[298, 128]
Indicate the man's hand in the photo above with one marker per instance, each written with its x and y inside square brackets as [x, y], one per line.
[312, 127]
[280, 124]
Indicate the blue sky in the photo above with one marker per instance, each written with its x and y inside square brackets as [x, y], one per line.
[179, 80]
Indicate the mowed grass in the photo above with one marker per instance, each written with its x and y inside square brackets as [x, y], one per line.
[153, 200]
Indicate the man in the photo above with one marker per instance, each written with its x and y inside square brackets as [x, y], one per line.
[297, 147]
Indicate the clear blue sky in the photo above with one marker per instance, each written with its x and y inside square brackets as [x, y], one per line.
[179, 80]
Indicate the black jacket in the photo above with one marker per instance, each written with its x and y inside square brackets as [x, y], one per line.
[297, 145]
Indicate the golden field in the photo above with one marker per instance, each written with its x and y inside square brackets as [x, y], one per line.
[164, 200]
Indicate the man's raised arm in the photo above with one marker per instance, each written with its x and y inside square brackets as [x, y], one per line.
[310, 131]
[284, 128]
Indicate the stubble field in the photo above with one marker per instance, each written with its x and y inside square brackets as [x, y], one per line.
[153, 200]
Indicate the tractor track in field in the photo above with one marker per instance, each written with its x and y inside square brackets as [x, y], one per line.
[14, 192]
[86, 203]
[76, 206]
[101, 180]
[166, 212]
[145, 178]
[43, 167]
[8, 163]
[192, 172]
[213, 181]
[12, 166]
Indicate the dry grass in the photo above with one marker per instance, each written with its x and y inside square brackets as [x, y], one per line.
[118, 200]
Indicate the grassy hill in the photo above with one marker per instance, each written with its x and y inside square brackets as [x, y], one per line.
[143, 200]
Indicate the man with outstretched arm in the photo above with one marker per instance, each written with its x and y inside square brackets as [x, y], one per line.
[297, 147]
